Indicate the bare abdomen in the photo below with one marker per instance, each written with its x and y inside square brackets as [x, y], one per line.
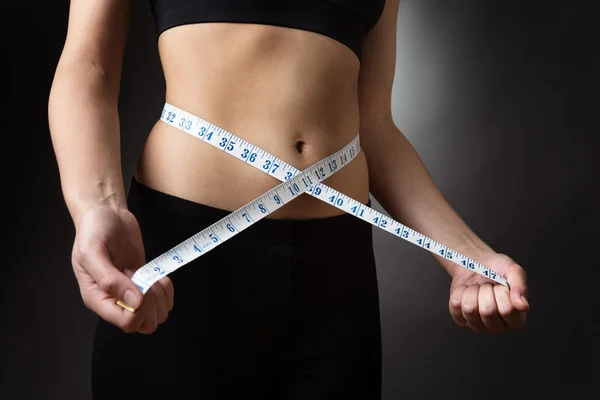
[287, 91]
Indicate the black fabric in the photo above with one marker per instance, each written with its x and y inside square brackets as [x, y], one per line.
[347, 21]
[287, 309]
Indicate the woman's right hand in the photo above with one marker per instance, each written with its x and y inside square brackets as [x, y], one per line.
[108, 249]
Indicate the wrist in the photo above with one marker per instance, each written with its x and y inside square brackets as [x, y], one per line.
[99, 195]
[475, 250]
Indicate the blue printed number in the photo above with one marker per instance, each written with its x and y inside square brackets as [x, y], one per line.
[252, 157]
[245, 153]
[332, 166]
[171, 116]
[339, 201]
[213, 237]
[185, 125]
[178, 259]
[288, 176]
[262, 208]
[246, 216]
[198, 249]
[354, 210]
[202, 131]
[277, 199]
[383, 221]
[267, 164]
[296, 188]
[230, 146]
[160, 271]
[223, 142]
[318, 191]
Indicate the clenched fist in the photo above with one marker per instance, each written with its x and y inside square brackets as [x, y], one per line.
[485, 306]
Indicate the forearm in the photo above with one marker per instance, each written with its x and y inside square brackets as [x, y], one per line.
[403, 186]
[84, 127]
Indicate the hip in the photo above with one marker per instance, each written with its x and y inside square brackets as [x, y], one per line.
[276, 262]
[321, 265]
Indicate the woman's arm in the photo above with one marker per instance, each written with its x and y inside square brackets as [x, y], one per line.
[82, 107]
[400, 182]
[84, 126]
[398, 178]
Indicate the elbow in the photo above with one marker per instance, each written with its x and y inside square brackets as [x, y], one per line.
[79, 80]
[378, 123]
[83, 63]
[84, 73]
[378, 134]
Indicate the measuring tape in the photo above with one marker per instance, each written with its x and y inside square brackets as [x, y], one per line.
[294, 183]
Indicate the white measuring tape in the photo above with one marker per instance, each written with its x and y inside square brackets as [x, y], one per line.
[295, 182]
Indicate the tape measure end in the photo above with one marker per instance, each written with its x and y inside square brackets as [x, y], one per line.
[125, 306]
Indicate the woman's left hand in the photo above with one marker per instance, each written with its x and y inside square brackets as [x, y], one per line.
[485, 306]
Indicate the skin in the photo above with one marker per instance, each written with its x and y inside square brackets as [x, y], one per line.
[282, 89]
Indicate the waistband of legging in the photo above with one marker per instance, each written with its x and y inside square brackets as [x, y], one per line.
[343, 228]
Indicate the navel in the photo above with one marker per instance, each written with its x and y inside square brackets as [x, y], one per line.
[300, 145]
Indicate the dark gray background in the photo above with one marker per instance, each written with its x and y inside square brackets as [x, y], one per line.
[501, 99]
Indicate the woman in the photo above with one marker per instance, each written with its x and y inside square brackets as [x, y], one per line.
[290, 308]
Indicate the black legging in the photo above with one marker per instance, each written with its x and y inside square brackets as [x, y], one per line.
[287, 309]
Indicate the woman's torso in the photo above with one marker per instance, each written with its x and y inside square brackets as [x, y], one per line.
[280, 89]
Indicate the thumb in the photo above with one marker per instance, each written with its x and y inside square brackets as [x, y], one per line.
[97, 262]
[517, 279]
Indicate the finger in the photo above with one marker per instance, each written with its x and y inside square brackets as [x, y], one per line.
[455, 305]
[488, 310]
[148, 309]
[169, 289]
[517, 279]
[470, 308]
[161, 303]
[104, 305]
[508, 313]
[95, 259]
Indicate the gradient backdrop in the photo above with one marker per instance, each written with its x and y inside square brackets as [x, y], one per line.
[501, 99]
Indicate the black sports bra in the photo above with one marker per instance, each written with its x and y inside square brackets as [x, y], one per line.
[347, 21]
